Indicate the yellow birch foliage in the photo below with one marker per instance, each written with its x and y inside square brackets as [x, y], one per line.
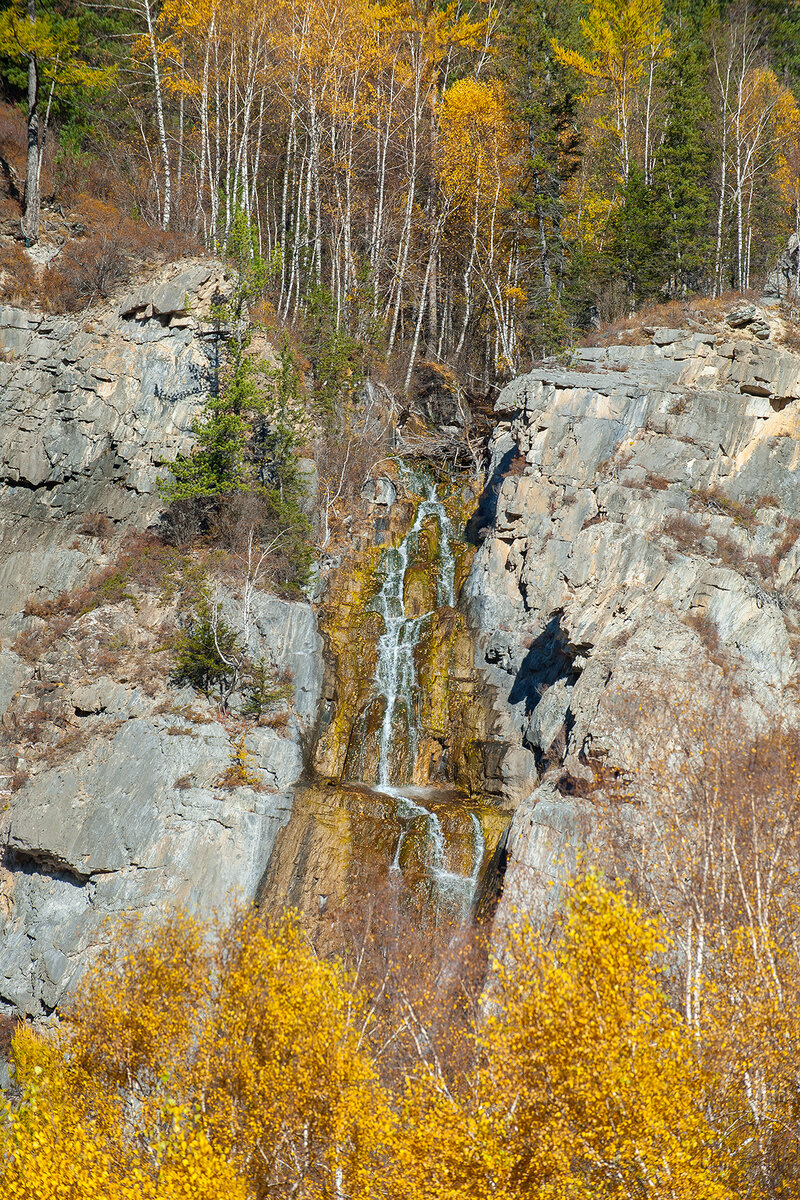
[589, 1085]
[625, 40]
[785, 140]
[751, 1042]
[232, 1067]
[278, 1068]
[475, 148]
[53, 42]
[199, 1068]
[622, 39]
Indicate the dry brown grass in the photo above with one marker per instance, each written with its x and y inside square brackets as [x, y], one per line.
[790, 536]
[92, 262]
[635, 329]
[276, 720]
[18, 278]
[685, 531]
[714, 500]
[709, 635]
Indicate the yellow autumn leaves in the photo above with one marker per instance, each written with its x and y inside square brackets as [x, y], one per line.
[477, 164]
[238, 1065]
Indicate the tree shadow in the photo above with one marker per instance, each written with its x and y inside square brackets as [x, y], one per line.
[483, 518]
[547, 660]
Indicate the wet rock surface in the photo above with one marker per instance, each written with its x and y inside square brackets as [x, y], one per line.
[425, 850]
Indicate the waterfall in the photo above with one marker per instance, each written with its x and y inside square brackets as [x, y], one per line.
[455, 892]
[395, 676]
[397, 686]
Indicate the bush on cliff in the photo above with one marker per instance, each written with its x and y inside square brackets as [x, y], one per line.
[248, 432]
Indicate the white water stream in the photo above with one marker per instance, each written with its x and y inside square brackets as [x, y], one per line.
[396, 684]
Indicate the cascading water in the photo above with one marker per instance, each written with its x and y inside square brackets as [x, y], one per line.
[396, 676]
[396, 684]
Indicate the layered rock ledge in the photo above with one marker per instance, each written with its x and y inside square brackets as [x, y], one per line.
[639, 545]
[113, 793]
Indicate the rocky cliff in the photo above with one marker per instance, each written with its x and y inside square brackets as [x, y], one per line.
[639, 556]
[633, 551]
[115, 797]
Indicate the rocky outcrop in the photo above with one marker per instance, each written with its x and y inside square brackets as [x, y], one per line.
[639, 551]
[130, 809]
[634, 549]
[117, 793]
[784, 279]
[91, 408]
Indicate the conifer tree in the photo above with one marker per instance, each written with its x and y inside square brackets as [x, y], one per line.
[637, 252]
[681, 178]
[546, 99]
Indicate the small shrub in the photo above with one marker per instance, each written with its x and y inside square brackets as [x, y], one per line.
[517, 466]
[86, 270]
[43, 608]
[714, 500]
[278, 720]
[184, 521]
[240, 773]
[730, 553]
[8, 1027]
[656, 483]
[765, 564]
[31, 725]
[790, 536]
[709, 635]
[96, 525]
[595, 520]
[19, 281]
[143, 560]
[685, 531]
[69, 744]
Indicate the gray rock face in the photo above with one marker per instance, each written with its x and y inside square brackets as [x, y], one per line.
[116, 792]
[547, 833]
[785, 279]
[640, 546]
[91, 408]
[133, 808]
[137, 821]
[183, 290]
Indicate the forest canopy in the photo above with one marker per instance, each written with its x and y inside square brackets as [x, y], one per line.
[241, 1065]
[469, 181]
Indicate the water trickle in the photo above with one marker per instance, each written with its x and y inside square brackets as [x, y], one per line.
[396, 675]
[397, 686]
[455, 891]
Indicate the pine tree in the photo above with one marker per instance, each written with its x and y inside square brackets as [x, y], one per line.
[681, 180]
[545, 96]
